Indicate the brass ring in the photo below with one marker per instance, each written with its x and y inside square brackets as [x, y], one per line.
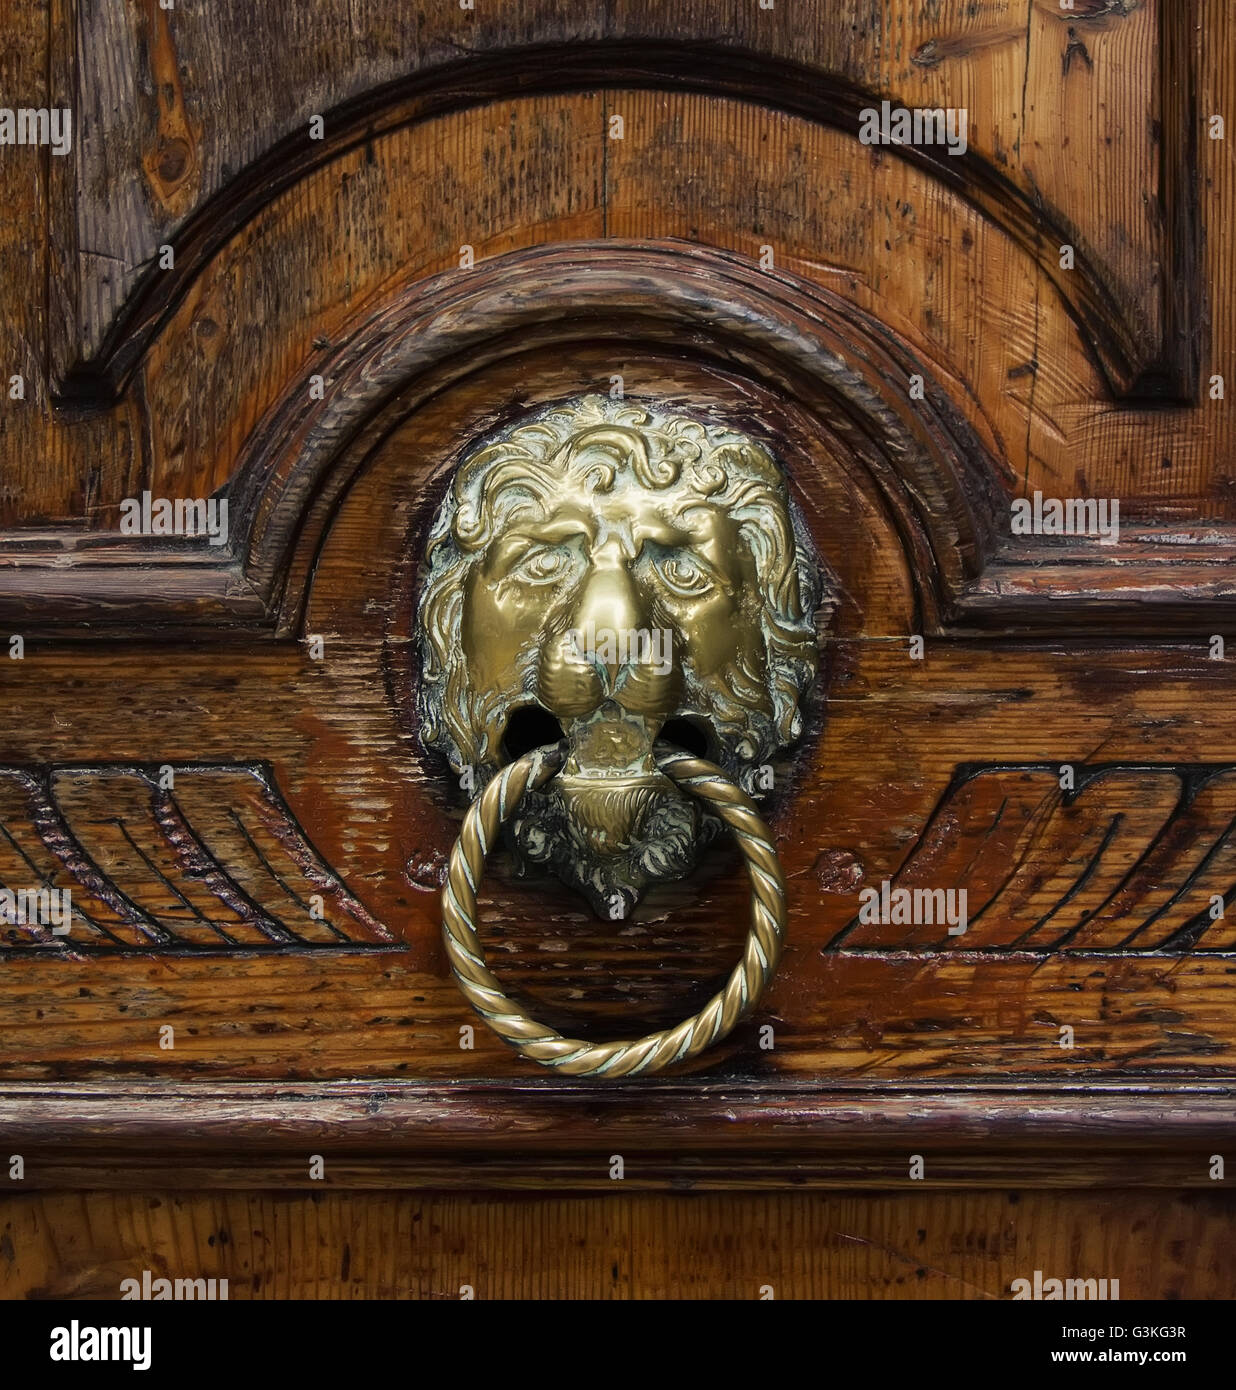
[655, 1050]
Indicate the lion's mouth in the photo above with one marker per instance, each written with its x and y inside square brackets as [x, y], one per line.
[610, 822]
[528, 727]
[607, 811]
[606, 816]
[532, 726]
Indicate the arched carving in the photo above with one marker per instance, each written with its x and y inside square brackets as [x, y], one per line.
[936, 467]
[1130, 366]
[943, 487]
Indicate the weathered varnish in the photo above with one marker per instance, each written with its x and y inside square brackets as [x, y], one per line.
[341, 318]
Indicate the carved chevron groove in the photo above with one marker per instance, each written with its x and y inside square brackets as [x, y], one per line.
[1135, 859]
[217, 863]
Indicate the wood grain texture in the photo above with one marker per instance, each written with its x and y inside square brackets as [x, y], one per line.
[1022, 157]
[169, 859]
[936, 464]
[683, 1135]
[339, 735]
[1137, 859]
[342, 259]
[878, 230]
[908, 1245]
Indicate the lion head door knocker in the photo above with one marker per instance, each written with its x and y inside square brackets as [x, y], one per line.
[615, 567]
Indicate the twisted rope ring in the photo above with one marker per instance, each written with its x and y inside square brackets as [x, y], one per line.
[655, 1050]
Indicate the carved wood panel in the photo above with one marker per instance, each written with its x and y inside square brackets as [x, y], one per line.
[215, 751]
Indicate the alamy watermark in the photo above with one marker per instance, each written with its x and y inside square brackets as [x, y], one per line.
[914, 125]
[28, 125]
[152, 1288]
[182, 516]
[43, 907]
[1066, 516]
[624, 646]
[1049, 1289]
[78, 1343]
[917, 907]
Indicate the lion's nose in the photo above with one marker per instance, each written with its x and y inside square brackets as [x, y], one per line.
[609, 605]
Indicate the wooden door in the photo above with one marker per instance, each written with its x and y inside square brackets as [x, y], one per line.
[963, 274]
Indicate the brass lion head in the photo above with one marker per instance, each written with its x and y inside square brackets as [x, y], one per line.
[615, 567]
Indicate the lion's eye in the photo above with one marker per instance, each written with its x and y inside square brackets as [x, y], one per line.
[545, 565]
[683, 575]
